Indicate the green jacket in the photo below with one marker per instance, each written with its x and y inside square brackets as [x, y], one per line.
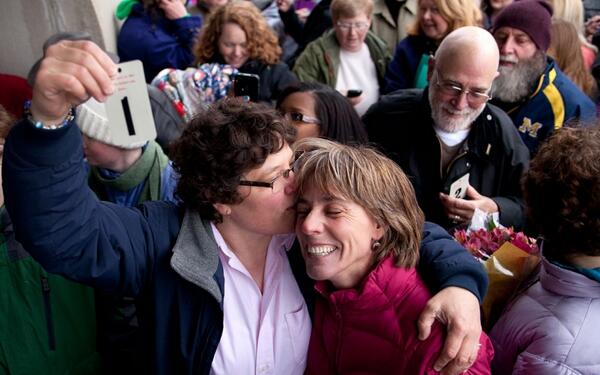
[320, 60]
[47, 323]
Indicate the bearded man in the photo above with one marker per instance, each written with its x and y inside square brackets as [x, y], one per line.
[531, 88]
[449, 132]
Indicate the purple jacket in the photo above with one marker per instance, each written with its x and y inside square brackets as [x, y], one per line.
[552, 328]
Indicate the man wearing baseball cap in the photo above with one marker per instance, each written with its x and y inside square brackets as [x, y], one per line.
[531, 88]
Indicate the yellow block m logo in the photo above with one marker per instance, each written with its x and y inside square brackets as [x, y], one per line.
[528, 127]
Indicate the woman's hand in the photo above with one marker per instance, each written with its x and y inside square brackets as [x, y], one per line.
[458, 309]
[69, 74]
[174, 9]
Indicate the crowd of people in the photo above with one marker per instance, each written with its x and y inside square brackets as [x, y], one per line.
[307, 229]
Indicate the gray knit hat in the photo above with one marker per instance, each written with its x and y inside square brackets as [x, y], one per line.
[92, 121]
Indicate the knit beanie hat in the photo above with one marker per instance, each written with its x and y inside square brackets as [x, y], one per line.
[92, 121]
[533, 17]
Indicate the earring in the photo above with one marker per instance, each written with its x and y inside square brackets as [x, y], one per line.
[375, 245]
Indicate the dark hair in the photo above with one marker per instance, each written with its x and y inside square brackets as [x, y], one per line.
[219, 145]
[562, 192]
[338, 119]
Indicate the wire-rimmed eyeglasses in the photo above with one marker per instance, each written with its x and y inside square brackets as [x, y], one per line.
[277, 183]
[474, 97]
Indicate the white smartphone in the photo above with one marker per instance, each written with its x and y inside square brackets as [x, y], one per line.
[128, 109]
[458, 189]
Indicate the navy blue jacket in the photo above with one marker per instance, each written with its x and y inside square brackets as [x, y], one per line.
[158, 42]
[163, 255]
[402, 69]
[555, 101]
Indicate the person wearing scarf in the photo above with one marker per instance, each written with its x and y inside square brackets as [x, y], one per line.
[126, 174]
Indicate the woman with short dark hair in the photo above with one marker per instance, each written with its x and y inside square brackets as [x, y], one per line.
[218, 285]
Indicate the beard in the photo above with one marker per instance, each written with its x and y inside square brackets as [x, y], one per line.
[449, 124]
[515, 83]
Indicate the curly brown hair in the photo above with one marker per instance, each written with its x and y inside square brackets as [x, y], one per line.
[219, 145]
[562, 192]
[262, 41]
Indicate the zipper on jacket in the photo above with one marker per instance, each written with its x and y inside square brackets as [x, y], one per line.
[451, 164]
[463, 151]
[48, 313]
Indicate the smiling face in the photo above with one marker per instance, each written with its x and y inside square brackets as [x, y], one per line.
[266, 211]
[336, 237]
[432, 23]
[302, 103]
[233, 45]
[465, 65]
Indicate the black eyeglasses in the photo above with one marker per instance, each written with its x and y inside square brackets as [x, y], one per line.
[299, 117]
[276, 184]
[473, 97]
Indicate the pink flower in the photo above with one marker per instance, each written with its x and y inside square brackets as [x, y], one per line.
[482, 243]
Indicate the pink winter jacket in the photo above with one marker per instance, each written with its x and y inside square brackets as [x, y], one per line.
[373, 330]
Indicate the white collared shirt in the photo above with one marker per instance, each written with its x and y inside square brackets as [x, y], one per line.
[263, 333]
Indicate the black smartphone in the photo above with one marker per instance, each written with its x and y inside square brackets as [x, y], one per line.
[353, 93]
[246, 85]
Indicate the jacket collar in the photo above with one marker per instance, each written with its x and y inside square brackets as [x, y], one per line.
[546, 78]
[567, 283]
[196, 255]
[370, 293]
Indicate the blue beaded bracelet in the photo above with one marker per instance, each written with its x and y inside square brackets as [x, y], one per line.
[40, 125]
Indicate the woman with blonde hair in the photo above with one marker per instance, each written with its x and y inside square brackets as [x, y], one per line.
[564, 49]
[238, 35]
[435, 20]
[358, 223]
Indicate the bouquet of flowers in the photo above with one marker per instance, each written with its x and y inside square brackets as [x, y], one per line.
[509, 258]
